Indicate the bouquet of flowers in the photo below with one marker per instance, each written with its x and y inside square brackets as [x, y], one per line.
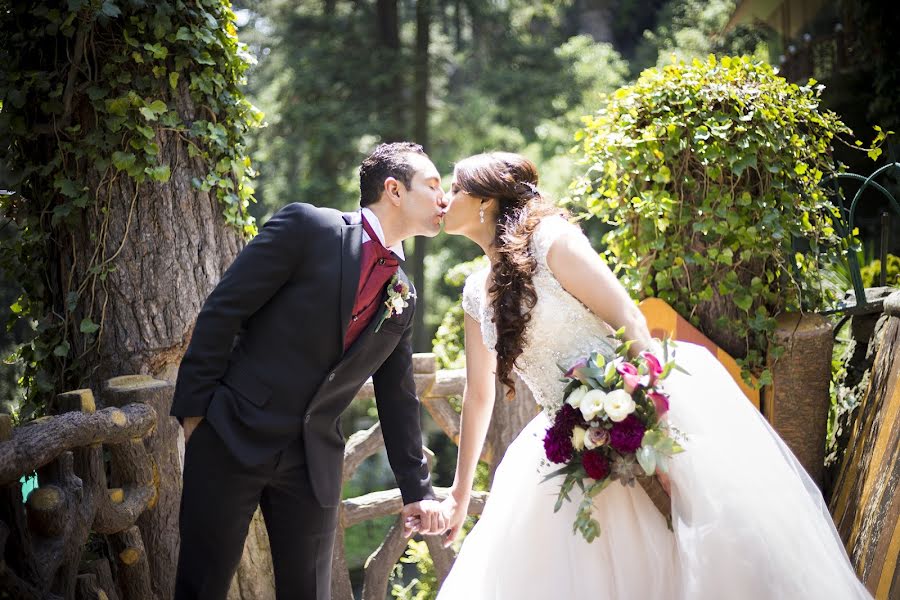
[612, 427]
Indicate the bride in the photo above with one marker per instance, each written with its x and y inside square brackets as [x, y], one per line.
[747, 521]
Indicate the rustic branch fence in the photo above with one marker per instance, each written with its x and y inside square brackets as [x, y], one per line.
[108, 472]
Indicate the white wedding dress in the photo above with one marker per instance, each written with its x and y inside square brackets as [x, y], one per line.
[748, 521]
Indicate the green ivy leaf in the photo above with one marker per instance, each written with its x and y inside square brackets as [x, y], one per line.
[123, 160]
[160, 174]
[88, 326]
[743, 301]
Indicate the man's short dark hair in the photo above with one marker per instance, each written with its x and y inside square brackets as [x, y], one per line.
[388, 160]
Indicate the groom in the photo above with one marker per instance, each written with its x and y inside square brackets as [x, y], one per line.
[281, 346]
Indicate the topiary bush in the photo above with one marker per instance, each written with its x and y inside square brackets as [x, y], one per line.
[710, 175]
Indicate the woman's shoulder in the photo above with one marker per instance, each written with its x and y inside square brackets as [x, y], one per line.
[473, 292]
[548, 230]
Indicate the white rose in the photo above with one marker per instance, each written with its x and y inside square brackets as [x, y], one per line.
[578, 438]
[618, 404]
[592, 404]
[399, 304]
[574, 398]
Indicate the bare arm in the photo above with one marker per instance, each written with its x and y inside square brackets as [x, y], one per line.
[587, 277]
[478, 404]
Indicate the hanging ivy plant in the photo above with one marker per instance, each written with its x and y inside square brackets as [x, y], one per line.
[709, 174]
[86, 88]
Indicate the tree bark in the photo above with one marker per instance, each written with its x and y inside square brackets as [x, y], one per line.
[421, 339]
[167, 244]
[508, 420]
[389, 92]
[133, 568]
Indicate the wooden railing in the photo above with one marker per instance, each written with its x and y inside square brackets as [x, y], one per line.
[866, 499]
[99, 471]
[435, 388]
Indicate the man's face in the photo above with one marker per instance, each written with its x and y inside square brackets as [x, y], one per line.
[422, 205]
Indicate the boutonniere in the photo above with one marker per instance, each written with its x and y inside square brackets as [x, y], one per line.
[398, 295]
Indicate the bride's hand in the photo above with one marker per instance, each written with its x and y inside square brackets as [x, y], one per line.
[455, 511]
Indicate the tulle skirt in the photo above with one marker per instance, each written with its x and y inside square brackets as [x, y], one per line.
[748, 521]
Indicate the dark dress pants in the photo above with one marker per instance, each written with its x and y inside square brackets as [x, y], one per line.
[219, 498]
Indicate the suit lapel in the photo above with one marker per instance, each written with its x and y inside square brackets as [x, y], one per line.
[351, 254]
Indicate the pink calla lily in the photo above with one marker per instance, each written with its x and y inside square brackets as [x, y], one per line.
[653, 367]
[626, 368]
[630, 376]
[632, 382]
[574, 370]
[660, 401]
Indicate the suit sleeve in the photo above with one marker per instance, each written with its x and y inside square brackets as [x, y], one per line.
[398, 411]
[257, 273]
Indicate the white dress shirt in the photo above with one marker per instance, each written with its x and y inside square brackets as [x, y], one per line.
[376, 227]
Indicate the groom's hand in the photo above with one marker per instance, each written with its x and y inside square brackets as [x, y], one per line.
[190, 424]
[425, 517]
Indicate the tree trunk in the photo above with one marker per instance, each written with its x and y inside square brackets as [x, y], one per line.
[168, 244]
[508, 420]
[137, 259]
[388, 93]
[421, 339]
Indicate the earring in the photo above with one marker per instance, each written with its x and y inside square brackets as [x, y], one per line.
[481, 214]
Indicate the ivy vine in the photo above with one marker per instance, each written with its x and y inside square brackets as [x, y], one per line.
[87, 89]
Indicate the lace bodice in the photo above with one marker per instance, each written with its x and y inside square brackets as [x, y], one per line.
[561, 330]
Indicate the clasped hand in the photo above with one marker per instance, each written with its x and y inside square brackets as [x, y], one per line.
[425, 517]
[430, 517]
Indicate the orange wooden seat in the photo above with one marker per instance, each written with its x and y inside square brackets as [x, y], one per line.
[663, 321]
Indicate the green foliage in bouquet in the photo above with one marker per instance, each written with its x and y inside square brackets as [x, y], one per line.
[710, 175]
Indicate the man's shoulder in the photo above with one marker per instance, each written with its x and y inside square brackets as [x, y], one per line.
[313, 215]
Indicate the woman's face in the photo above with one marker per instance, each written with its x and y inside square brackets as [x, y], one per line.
[462, 214]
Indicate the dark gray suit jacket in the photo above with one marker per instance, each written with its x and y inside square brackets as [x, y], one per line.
[266, 361]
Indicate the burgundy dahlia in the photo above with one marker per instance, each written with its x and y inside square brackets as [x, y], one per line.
[626, 435]
[595, 464]
[558, 444]
[567, 418]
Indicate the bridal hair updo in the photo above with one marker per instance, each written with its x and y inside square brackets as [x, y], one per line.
[512, 180]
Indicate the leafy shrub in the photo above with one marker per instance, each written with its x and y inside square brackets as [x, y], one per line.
[871, 273]
[449, 341]
[710, 175]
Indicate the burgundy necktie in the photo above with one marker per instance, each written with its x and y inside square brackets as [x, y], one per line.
[377, 266]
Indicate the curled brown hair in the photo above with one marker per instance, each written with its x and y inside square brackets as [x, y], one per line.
[512, 180]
